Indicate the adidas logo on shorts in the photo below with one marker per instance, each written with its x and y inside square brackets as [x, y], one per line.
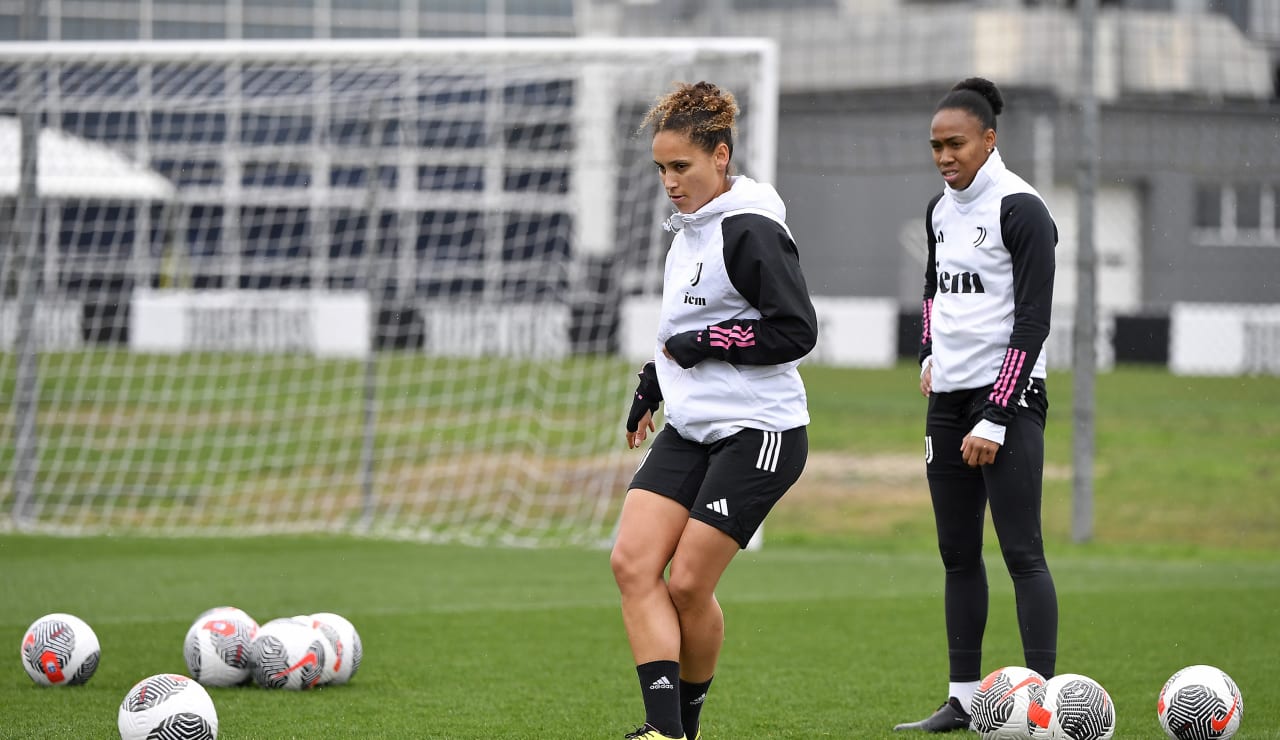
[720, 507]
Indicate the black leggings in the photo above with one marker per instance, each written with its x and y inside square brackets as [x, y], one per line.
[1012, 486]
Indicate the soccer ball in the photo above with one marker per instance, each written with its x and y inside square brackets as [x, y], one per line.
[217, 646]
[216, 609]
[287, 654]
[345, 646]
[167, 705]
[1071, 707]
[1200, 702]
[999, 708]
[60, 650]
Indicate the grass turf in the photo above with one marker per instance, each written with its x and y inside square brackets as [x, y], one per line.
[834, 629]
[491, 643]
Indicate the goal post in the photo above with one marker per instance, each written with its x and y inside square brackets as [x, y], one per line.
[338, 285]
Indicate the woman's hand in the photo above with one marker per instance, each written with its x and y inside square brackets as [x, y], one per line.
[642, 431]
[977, 451]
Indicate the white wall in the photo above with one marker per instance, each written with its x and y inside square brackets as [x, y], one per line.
[1117, 242]
[1224, 339]
[321, 323]
[58, 325]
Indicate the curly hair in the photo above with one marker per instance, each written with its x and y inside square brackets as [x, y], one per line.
[702, 110]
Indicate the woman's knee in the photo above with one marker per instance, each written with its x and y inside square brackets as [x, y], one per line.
[688, 591]
[961, 558]
[1024, 561]
[634, 570]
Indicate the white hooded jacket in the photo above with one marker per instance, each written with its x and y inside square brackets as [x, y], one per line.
[988, 293]
[737, 317]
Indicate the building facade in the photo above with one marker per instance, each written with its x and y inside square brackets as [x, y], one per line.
[1188, 203]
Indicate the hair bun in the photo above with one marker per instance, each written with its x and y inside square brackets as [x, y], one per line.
[986, 88]
[702, 109]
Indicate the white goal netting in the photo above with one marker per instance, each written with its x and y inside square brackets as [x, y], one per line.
[333, 286]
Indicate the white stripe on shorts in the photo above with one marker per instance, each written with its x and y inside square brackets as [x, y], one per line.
[644, 459]
[770, 448]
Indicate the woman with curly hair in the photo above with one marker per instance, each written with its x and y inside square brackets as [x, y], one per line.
[736, 320]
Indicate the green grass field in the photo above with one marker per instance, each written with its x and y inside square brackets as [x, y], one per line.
[834, 629]
[490, 643]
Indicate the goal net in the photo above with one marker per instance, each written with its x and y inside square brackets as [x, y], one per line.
[308, 286]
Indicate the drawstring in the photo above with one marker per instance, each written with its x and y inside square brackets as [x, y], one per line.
[677, 221]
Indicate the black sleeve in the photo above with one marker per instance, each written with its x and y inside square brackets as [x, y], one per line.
[930, 283]
[1030, 235]
[764, 267]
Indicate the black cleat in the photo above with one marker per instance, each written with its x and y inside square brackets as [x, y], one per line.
[950, 716]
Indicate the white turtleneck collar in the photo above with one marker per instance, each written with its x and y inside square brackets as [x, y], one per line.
[987, 174]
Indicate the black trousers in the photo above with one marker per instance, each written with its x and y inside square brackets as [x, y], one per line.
[961, 494]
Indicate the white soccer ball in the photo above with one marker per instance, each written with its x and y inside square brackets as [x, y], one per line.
[217, 646]
[167, 706]
[1071, 707]
[287, 654]
[225, 608]
[345, 646]
[302, 619]
[1200, 702]
[999, 707]
[60, 650]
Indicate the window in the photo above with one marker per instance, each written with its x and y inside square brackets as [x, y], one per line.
[1239, 214]
[1208, 207]
[1248, 207]
[1275, 209]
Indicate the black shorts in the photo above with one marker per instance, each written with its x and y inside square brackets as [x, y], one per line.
[730, 484]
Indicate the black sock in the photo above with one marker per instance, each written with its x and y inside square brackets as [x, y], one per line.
[1041, 661]
[691, 697]
[660, 686]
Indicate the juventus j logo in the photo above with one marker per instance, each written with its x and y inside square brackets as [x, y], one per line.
[982, 236]
[928, 449]
[697, 276]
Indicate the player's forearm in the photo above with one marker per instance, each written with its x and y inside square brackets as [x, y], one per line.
[774, 341]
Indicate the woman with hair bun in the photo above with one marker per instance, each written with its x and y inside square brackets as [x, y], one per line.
[736, 320]
[988, 291]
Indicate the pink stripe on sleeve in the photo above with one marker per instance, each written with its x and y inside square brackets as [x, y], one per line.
[1008, 379]
[736, 336]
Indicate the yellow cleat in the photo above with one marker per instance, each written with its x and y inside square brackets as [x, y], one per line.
[649, 732]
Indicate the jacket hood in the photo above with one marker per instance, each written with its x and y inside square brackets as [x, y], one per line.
[743, 193]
